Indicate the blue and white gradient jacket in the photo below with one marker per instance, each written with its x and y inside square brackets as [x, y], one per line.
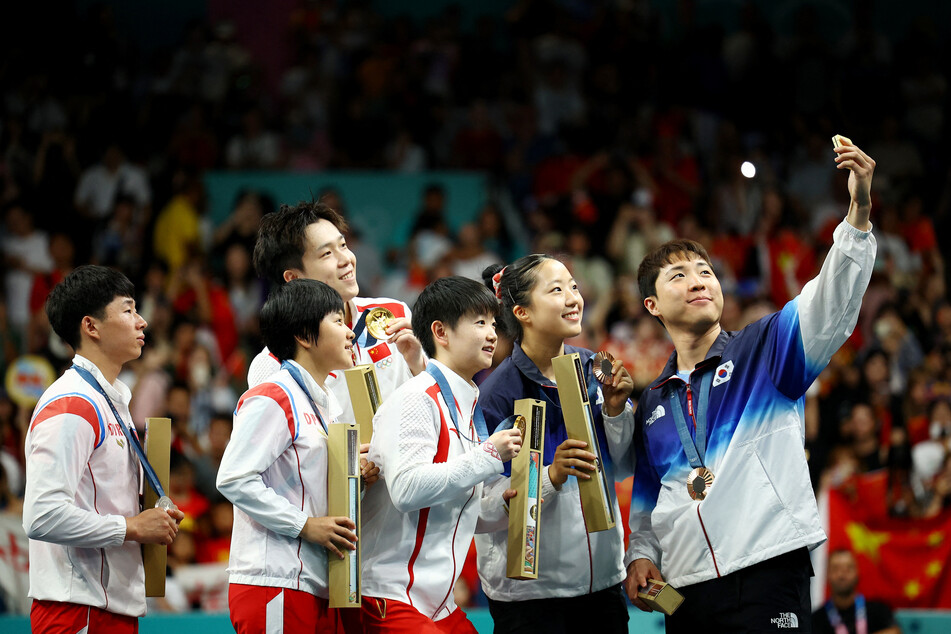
[761, 503]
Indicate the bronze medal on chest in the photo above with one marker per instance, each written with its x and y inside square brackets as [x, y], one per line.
[698, 483]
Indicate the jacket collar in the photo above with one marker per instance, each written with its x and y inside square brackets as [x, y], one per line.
[119, 392]
[528, 368]
[323, 397]
[713, 357]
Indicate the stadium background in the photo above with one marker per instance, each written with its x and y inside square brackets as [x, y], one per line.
[152, 136]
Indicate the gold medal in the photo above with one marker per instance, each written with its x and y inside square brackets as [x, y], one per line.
[520, 425]
[603, 367]
[698, 482]
[377, 320]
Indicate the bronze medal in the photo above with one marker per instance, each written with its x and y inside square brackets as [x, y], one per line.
[698, 483]
[603, 367]
[377, 320]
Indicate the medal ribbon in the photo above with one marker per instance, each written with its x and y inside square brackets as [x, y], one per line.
[478, 418]
[694, 448]
[296, 375]
[361, 335]
[861, 617]
[507, 423]
[132, 437]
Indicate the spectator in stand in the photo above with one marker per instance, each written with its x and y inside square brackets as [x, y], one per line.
[592, 272]
[496, 236]
[121, 241]
[246, 292]
[181, 488]
[861, 431]
[241, 225]
[255, 146]
[937, 496]
[470, 257]
[429, 236]
[196, 294]
[671, 173]
[635, 233]
[847, 610]
[214, 444]
[26, 254]
[101, 184]
[178, 228]
[63, 252]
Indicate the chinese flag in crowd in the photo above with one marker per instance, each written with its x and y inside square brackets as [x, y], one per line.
[901, 561]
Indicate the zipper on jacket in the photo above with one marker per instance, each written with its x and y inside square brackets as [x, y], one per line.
[452, 549]
[709, 545]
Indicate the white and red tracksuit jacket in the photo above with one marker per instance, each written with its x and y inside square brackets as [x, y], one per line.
[274, 471]
[419, 521]
[82, 481]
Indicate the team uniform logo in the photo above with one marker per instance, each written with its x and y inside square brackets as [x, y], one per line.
[786, 621]
[723, 373]
[657, 413]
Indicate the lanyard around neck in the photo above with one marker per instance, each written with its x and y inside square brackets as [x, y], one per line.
[296, 375]
[861, 617]
[695, 448]
[133, 439]
[478, 418]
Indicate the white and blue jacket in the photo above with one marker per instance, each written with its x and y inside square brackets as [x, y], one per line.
[761, 503]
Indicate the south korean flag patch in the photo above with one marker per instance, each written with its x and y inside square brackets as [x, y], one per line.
[723, 373]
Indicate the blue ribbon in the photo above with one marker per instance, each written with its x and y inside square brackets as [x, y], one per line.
[133, 439]
[361, 335]
[296, 375]
[478, 418]
[695, 448]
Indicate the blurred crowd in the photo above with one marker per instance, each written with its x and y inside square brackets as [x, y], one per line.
[605, 130]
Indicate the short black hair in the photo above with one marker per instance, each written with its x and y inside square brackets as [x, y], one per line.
[665, 254]
[448, 300]
[280, 244]
[295, 310]
[87, 290]
[516, 284]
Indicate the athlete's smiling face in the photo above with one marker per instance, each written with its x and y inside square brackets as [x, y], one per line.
[556, 304]
[687, 295]
[328, 259]
[470, 344]
[334, 349]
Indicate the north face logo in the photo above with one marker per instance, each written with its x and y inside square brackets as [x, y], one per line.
[786, 621]
[657, 413]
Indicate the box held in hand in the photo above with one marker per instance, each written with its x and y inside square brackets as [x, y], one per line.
[597, 505]
[525, 507]
[343, 498]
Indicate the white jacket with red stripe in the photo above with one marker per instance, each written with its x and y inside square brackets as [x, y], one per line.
[419, 520]
[391, 368]
[274, 471]
[82, 481]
